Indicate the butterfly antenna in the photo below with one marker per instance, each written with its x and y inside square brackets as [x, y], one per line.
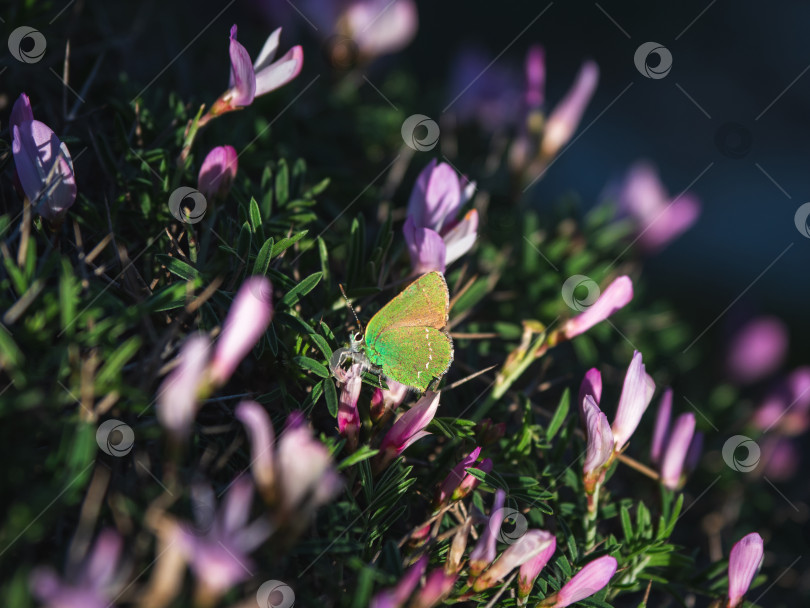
[349, 304]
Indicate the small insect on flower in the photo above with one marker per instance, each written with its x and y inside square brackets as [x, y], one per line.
[406, 338]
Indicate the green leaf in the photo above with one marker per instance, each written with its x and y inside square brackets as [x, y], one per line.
[263, 258]
[117, 360]
[319, 369]
[255, 215]
[627, 526]
[331, 397]
[285, 243]
[68, 294]
[292, 297]
[177, 267]
[559, 415]
[282, 183]
[364, 453]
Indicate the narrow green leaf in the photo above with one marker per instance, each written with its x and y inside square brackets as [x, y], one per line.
[285, 243]
[627, 526]
[319, 369]
[263, 258]
[282, 183]
[331, 397]
[559, 415]
[255, 215]
[303, 288]
[117, 360]
[177, 267]
[364, 453]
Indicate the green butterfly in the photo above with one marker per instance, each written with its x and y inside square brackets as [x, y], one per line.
[406, 338]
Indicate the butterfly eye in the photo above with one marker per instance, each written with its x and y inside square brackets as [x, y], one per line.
[358, 337]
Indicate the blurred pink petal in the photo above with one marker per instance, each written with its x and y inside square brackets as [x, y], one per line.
[399, 594]
[179, 394]
[532, 544]
[637, 392]
[435, 196]
[757, 349]
[460, 239]
[564, 119]
[677, 448]
[743, 563]
[530, 570]
[380, 27]
[661, 430]
[535, 76]
[262, 442]
[426, 248]
[218, 171]
[617, 295]
[483, 554]
[437, 586]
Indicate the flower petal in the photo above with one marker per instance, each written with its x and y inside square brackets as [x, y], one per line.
[743, 563]
[462, 237]
[268, 50]
[280, 72]
[243, 77]
[426, 248]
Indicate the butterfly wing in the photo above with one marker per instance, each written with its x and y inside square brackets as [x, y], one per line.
[423, 303]
[415, 356]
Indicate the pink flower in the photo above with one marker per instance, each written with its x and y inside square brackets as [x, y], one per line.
[780, 457]
[591, 385]
[787, 405]
[637, 392]
[483, 553]
[743, 563]
[179, 394]
[530, 570]
[219, 555]
[695, 452]
[600, 444]
[591, 579]
[217, 172]
[391, 398]
[535, 76]
[757, 349]
[434, 238]
[659, 219]
[437, 586]
[43, 163]
[409, 427]
[348, 416]
[398, 595]
[98, 581]
[661, 431]
[459, 483]
[617, 295]
[677, 449]
[247, 320]
[380, 27]
[250, 81]
[565, 118]
[262, 444]
[533, 544]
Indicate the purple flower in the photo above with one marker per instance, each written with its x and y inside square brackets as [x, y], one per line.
[399, 594]
[247, 320]
[43, 163]
[757, 349]
[217, 172]
[219, 556]
[661, 431]
[533, 544]
[530, 570]
[695, 452]
[409, 427]
[743, 563]
[676, 451]
[179, 394]
[564, 118]
[780, 457]
[617, 295]
[435, 240]
[484, 552]
[591, 579]
[389, 399]
[659, 219]
[98, 581]
[348, 416]
[787, 405]
[380, 27]
[535, 76]
[637, 392]
[591, 385]
[437, 586]
[600, 444]
[250, 81]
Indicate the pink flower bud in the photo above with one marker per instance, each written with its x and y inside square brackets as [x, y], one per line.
[677, 448]
[470, 482]
[247, 320]
[600, 444]
[399, 594]
[348, 416]
[262, 444]
[484, 552]
[217, 172]
[456, 554]
[530, 570]
[591, 385]
[456, 476]
[437, 586]
[637, 392]
[532, 544]
[409, 427]
[384, 400]
[661, 431]
[743, 563]
[564, 119]
[617, 295]
[591, 579]
[179, 394]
